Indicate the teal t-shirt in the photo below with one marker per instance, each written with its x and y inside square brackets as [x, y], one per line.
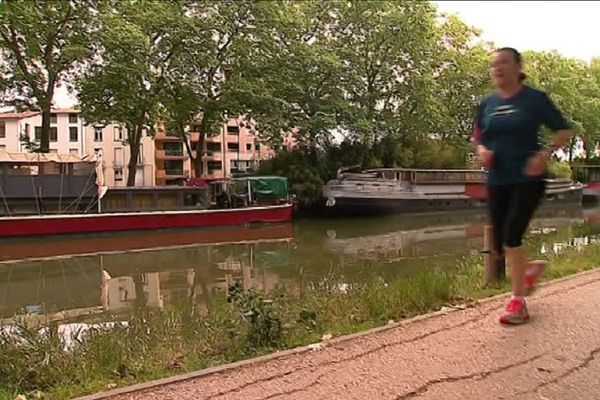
[510, 128]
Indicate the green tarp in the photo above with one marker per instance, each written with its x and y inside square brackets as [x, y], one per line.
[267, 186]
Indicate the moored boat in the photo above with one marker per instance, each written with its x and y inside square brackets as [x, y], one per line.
[400, 190]
[49, 194]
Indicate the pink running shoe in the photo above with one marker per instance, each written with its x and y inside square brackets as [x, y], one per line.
[516, 313]
[534, 271]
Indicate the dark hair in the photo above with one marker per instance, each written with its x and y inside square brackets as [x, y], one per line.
[517, 57]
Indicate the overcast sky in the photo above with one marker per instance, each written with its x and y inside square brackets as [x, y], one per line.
[570, 27]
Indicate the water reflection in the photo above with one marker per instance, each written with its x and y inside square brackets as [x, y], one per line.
[136, 273]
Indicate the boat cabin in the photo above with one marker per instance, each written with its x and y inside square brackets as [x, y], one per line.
[45, 183]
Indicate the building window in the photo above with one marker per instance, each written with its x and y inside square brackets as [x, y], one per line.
[73, 134]
[214, 165]
[213, 147]
[174, 149]
[257, 146]
[173, 168]
[118, 175]
[53, 119]
[239, 166]
[74, 151]
[118, 133]
[53, 134]
[248, 146]
[27, 130]
[2, 129]
[73, 118]
[123, 295]
[38, 133]
[233, 130]
[233, 146]
[140, 159]
[98, 134]
[118, 158]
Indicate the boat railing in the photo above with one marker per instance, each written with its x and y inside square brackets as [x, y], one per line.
[420, 176]
[586, 173]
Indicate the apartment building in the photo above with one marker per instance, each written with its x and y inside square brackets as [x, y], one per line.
[235, 149]
[163, 160]
[69, 133]
[110, 142]
[66, 131]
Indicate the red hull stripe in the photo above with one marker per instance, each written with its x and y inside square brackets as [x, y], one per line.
[68, 224]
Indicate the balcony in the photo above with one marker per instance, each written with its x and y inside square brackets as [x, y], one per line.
[195, 136]
[176, 173]
[209, 155]
[162, 136]
[171, 154]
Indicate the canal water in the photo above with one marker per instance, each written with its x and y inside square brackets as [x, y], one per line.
[88, 277]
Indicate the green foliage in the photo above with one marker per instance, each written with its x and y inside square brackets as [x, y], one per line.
[123, 83]
[260, 313]
[395, 82]
[304, 178]
[574, 86]
[558, 169]
[43, 44]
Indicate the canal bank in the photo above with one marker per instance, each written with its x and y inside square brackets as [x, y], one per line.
[452, 354]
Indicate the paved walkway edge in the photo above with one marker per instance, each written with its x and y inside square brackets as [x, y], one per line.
[299, 350]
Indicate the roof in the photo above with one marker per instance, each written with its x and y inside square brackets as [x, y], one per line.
[27, 114]
[259, 177]
[65, 111]
[18, 115]
[6, 157]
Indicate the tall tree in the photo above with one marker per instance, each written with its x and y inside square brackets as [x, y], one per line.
[204, 85]
[573, 85]
[387, 52]
[300, 75]
[43, 44]
[137, 41]
[460, 80]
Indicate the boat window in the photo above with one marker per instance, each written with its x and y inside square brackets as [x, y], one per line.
[115, 201]
[143, 201]
[193, 200]
[23, 169]
[83, 169]
[168, 200]
[53, 168]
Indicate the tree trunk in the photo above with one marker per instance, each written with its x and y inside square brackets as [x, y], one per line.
[45, 139]
[134, 145]
[198, 164]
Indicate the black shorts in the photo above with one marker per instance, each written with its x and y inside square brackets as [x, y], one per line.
[511, 207]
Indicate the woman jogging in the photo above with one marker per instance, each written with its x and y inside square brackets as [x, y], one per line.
[508, 145]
